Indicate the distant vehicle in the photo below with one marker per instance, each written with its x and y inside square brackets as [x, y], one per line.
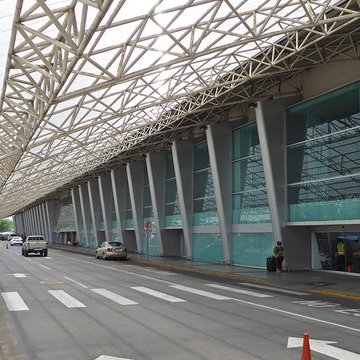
[11, 235]
[2, 237]
[35, 244]
[16, 240]
[111, 250]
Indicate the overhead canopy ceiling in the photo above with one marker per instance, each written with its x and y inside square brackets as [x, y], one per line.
[88, 80]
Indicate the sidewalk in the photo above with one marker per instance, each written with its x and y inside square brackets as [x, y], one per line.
[331, 283]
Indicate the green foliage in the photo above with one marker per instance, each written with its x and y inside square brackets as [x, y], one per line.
[6, 225]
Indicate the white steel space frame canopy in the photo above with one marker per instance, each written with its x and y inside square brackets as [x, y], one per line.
[88, 80]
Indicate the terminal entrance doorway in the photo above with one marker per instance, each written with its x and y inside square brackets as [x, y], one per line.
[338, 251]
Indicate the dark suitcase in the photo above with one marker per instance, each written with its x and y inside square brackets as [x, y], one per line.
[270, 264]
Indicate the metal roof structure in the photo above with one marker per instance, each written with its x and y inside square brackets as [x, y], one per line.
[88, 81]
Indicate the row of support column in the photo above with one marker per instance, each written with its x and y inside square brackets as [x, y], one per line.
[98, 197]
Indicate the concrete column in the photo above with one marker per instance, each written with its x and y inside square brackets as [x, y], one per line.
[155, 163]
[118, 183]
[271, 124]
[51, 217]
[106, 200]
[77, 212]
[95, 209]
[219, 145]
[45, 221]
[33, 221]
[85, 213]
[43, 230]
[135, 175]
[182, 153]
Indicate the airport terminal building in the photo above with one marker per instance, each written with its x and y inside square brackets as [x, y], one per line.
[273, 157]
[289, 172]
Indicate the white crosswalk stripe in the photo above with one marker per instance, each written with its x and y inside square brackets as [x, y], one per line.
[66, 299]
[114, 297]
[239, 291]
[200, 292]
[158, 294]
[13, 301]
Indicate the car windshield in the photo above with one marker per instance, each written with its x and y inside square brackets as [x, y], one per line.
[115, 243]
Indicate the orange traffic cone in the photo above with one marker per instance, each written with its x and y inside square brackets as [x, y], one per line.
[306, 354]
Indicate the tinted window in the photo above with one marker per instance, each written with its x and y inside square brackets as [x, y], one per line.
[115, 243]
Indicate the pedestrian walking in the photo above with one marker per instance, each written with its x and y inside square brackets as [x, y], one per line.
[279, 255]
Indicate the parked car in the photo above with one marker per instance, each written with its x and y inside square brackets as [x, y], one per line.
[16, 240]
[111, 250]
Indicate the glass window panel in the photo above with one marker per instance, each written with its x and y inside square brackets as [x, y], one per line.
[207, 247]
[323, 157]
[169, 167]
[250, 201]
[251, 248]
[201, 156]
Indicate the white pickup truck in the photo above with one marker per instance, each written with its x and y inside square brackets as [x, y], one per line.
[35, 244]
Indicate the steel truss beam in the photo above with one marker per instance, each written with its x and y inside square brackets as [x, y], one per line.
[87, 82]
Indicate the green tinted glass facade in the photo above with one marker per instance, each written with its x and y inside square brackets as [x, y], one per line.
[129, 220]
[149, 240]
[172, 207]
[251, 248]
[205, 210]
[207, 247]
[323, 157]
[250, 201]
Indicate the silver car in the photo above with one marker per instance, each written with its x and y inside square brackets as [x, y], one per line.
[111, 250]
[16, 240]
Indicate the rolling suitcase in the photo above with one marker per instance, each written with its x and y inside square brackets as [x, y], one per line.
[270, 264]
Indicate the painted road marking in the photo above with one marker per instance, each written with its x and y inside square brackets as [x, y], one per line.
[19, 275]
[45, 267]
[315, 303]
[291, 292]
[13, 301]
[200, 292]
[325, 348]
[107, 357]
[76, 282]
[158, 294]
[239, 291]
[66, 299]
[114, 297]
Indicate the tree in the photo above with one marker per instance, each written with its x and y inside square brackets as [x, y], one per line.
[6, 225]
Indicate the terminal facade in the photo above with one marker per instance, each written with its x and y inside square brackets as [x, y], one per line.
[287, 171]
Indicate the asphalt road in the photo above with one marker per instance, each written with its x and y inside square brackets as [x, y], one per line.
[71, 306]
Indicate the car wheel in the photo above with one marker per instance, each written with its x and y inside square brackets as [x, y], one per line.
[45, 253]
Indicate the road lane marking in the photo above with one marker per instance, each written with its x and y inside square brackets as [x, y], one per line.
[296, 315]
[239, 291]
[66, 299]
[114, 297]
[200, 292]
[19, 275]
[76, 282]
[13, 301]
[158, 294]
[45, 267]
[117, 269]
[291, 292]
